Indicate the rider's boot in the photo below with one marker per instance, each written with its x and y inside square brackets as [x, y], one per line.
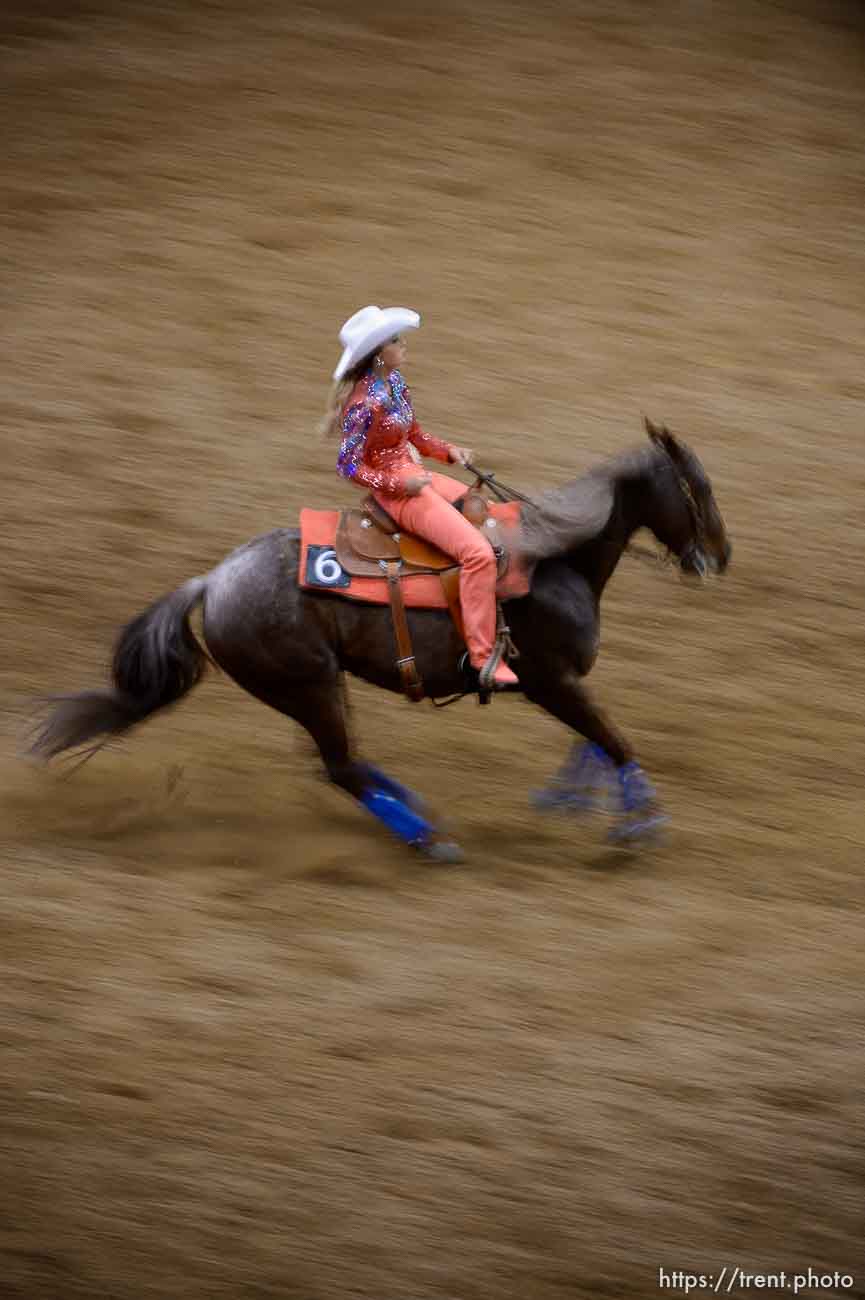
[496, 675]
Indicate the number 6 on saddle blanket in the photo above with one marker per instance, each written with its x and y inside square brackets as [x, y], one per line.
[361, 555]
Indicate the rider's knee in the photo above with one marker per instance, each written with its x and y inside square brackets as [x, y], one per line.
[478, 553]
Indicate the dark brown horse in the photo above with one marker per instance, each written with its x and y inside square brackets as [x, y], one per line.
[290, 647]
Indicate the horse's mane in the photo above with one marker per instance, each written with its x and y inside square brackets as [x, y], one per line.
[562, 518]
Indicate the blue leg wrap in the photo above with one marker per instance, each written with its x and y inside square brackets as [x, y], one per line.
[591, 763]
[581, 783]
[641, 816]
[397, 816]
[635, 787]
[380, 780]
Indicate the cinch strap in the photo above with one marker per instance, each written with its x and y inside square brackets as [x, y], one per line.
[409, 675]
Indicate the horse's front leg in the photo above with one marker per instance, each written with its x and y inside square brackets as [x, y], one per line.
[602, 770]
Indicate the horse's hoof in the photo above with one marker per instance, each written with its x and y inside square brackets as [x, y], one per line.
[563, 800]
[581, 785]
[643, 827]
[444, 853]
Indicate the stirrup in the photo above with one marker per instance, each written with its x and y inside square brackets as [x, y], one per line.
[472, 679]
[489, 680]
[503, 649]
[487, 674]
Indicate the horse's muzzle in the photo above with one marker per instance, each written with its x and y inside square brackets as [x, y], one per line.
[699, 564]
[719, 559]
[693, 561]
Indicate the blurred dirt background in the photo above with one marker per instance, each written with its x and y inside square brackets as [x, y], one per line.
[249, 1047]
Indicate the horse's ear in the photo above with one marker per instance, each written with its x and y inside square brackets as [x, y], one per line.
[652, 430]
[661, 437]
[671, 443]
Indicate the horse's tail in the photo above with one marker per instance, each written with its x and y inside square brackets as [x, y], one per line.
[157, 660]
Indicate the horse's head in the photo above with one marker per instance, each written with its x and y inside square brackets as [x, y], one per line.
[686, 518]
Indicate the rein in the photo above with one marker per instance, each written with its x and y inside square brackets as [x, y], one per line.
[499, 490]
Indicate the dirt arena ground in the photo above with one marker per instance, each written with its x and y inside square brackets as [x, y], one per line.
[249, 1047]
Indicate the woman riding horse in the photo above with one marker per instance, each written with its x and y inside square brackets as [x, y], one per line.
[293, 653]
[371, 408]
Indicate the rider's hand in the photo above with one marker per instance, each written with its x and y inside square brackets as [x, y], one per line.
[416, 484]
[460, 455]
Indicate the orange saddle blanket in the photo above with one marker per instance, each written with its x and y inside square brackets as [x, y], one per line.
[320, 569]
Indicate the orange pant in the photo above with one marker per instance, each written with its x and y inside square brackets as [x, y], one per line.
[431, 516]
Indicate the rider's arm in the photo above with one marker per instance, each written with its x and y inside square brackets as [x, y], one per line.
[427, 445]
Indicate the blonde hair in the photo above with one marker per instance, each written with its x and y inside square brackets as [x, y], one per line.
[330, 425]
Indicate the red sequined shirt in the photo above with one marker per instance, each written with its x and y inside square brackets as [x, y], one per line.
[378, 430]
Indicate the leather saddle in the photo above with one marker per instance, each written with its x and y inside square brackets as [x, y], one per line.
[369, 543]
[368, 539]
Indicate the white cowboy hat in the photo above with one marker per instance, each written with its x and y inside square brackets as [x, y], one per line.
[367, 329]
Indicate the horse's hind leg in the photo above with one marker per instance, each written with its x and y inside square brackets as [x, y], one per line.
[321, 711]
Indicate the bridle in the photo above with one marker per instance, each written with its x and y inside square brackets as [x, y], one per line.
[694, 553]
